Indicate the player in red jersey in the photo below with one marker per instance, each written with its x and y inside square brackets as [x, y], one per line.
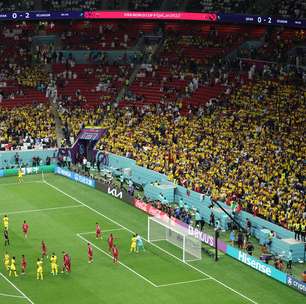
[66, 262]
[90, 253]
[23, 264]
[110, 242]
[43, 249]
[98, 231]
[25, 229]
[115, 254]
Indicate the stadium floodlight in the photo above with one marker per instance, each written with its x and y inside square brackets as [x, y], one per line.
[159, 231]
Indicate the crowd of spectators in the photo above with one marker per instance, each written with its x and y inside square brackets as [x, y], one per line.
[224, 6]
[295, 9]
[13, 5]
[27, 127]
[276, 47]
[144, 5]
[287, 9]
[71, 4]
[246, 148]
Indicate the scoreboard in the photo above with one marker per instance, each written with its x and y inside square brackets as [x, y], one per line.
[107, 15]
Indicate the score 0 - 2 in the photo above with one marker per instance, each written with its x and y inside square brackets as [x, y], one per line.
[16, 16]
[261, 19]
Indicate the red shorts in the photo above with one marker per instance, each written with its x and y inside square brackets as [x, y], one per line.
[67, 266]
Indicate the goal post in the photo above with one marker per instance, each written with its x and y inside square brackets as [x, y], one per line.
[190, 248]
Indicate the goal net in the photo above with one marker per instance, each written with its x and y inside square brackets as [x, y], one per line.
[161, 231]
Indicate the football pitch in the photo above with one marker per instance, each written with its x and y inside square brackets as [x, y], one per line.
[63, 213]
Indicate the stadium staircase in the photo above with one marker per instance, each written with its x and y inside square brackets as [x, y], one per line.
[87, 83]
[58, 124]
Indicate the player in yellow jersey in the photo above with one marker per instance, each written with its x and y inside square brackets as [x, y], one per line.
[13, 267]
[5, 222]
[39, 270]
[133, 243]
[20, 176]
[54, 266]
[6, 261]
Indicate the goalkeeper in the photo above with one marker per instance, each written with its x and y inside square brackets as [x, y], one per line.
[139, 244]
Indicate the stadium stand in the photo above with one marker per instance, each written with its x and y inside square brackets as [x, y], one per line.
[223, 6]
[289, 9]
[191, 66]
[27, 127]
[234, 148]
[11, 5]
[277, 45]
[212, 123]
[71, 4]
[144, 5]
[100, 35]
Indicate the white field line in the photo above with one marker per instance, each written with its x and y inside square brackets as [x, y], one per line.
[22, 293]
[184, 282]
[11, 296]
[125, 266]
[17, 184]
[106, 230]
[127, 229]
[41, 210]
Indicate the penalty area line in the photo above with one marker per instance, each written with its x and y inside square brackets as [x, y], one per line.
[11, 296]
[12, 284]
[106, 230]
[17, 184]
[122, 264]
[184, 282]
[170, 254]
[41, 210]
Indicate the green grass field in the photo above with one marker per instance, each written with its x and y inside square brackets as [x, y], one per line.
[64, 213]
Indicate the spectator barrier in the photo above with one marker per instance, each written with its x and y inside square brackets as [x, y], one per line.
[76, 177]
[29, 170]
[8, 158]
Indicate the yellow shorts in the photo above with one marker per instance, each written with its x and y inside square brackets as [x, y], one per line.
[133, 247]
